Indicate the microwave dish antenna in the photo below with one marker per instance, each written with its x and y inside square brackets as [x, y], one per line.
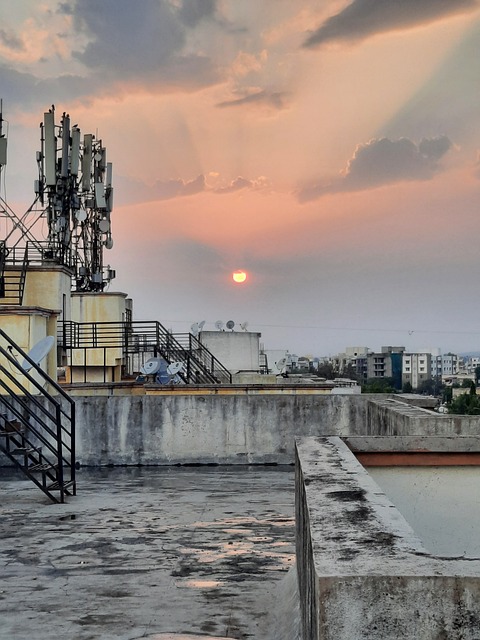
[174, 368]
[219, 324]
[38, 352]
[230, 325]
[195, 329]
[244, 326]
[151, 366]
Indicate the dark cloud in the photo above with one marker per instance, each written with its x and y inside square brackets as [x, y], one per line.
[192, 12]
[27, 90]
[134, 191]
[142, 42]
[275, 100]
[364, 18]
[11, 40]
[236, 185]
[384, 161]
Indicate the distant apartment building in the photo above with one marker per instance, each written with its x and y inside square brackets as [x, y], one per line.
[416, 368]
[355, 357]
[387, 364]
[449, 365]
[436, 366]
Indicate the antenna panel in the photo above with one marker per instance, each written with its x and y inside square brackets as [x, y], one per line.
[109, 174]
[87, 161]
[75, 159]
[3, 151]
[100, 195]
[65, 145]
[50, 149]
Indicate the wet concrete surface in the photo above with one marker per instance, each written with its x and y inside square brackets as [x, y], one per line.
[142, 552]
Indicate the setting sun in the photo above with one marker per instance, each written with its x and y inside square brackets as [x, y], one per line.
[239, 276]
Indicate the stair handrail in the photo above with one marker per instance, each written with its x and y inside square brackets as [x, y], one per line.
[152, 335]
[58, 405]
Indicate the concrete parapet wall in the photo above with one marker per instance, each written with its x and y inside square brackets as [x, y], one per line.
[363, 573]
[221, 429]
[236, 426]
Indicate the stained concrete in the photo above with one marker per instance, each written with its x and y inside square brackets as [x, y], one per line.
[233, 425]
[141, 553]
[364, 574]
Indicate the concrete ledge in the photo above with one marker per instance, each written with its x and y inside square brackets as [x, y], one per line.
[363, 573]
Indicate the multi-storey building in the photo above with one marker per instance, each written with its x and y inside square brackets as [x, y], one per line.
[387, 364]
[449, 364]
[416, 368]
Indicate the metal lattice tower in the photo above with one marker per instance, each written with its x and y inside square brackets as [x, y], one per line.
[74, 201]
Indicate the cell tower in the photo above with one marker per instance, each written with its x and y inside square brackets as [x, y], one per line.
[74, 199]
[75, 184]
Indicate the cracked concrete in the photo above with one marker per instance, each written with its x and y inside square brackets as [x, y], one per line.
[147, 552]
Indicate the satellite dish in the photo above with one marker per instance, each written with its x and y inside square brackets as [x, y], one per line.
[195, 329]
[174, 368]
[201, 325]
[281, 364]
[219, 325]
[151, 366]
[38, 352]
[230, 324]
[244, 326]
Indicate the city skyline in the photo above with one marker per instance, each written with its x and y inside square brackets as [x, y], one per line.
[329, 150]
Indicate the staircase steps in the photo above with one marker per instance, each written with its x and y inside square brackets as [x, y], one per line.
[38, 437]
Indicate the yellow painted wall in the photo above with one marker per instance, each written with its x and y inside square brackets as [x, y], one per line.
[26, 326]
[46, 287]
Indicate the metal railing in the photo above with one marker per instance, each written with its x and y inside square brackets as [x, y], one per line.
[137, 341]
[37, 426]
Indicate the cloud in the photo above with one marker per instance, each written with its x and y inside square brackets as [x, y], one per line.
[191, 12]
[11, 40]
[274, 100]
[142, 42]
[364, 18]
[131, 191]
[240, 183]
[381, 162]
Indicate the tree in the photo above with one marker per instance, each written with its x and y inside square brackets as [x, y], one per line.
[378, 385]
[350, 372]
[466, 404]
[326, 370]
[426, 387]
[477, 374]
[407, 387]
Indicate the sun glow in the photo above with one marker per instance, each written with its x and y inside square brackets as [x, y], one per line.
[239, 276]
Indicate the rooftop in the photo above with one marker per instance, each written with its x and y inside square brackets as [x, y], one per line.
[147, 552]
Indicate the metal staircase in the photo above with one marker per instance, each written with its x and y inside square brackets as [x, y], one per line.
[37, 423]
[13, 274]
[138, 341]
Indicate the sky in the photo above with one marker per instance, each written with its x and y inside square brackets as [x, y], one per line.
[330, 149]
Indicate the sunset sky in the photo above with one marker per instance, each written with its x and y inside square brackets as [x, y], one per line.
[330, 149]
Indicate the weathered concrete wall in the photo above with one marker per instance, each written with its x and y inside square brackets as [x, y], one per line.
[206, 429]
[363, 573]
[239, 428]
[235, 429]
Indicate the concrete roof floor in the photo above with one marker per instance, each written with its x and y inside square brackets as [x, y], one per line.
[148, 552]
